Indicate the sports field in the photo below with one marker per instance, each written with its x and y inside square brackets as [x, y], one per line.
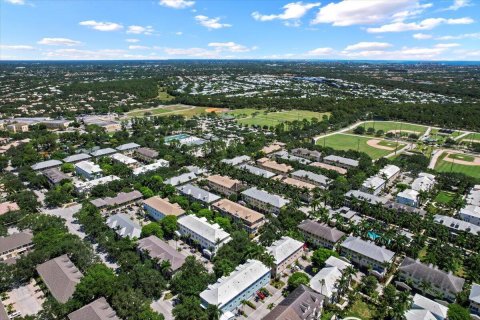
[375, 150]
[262, 117]
[395, 127]
[454, 134]
[444, 165]
[187, 111]
[471, 137]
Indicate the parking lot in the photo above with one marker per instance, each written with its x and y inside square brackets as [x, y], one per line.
[26, 300]
[187, 250]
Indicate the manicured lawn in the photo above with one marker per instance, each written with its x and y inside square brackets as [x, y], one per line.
[463, 157]
[454, 134]
[186, 111]
[472, 136]
[360, 310]
[351, 142]
[388, 126]
[262, 117]
[163, 95]
[444, 197]
[445, 166]
[390, 144]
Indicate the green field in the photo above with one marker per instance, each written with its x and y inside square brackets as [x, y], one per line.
[463, 157]
[472, 136]
[445, 166]
[350, 142]
[444, 197]
[389, 125]
[433, 132]
[257, 117]
[187, 111]
[360, 309]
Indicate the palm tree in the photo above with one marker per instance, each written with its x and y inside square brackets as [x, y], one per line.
[165, 268]
[213, 312]
[425, 287]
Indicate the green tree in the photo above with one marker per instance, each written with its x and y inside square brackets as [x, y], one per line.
[98, 281]
[321, 255]
[296, 279]
[457, 312]
[169, 225]
[369, 284]
[152, 228]
[67, 167]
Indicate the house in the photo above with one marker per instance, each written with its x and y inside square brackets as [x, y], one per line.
[96, 310]
[236, 161]
[151, 167]
[209, 236]
[364, 196]
[225, 185]
[285, 252]
[284, 155]
[301, 304]
[146, 154]
[368, 255]
[310, 177]
[15, 245]
[241, 284]
[128, 148]
[264, 201]
[423, 309]
[256, 171]
[88, 170]
[470, 214]
[60, 276]
[441, 284]
[344, 212]
[312, 155]
[195, 193]
[55, 176]
[18, 127]
[474, 299]
[8, 207]
[124, 226]
[389, 173]
[373, 185]
[197, 170]
[158, 208]
[251, 219]
[320, 234]
[87, 186]
[276, 146]
[424, 182]
[126, 160]
[39, 166]
[76, 158]
[161, 251]
[181, 179]
[408, 197]
[279, 168]
[342, 162]
[60, 124]
[330, 167]
[120, 201]
[456, 225]
[326, 280]
[103, 152]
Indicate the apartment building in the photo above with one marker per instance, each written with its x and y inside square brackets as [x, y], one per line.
[251, 219]
[317, 179]
[159, 208]
[195, 193]
[285, 251]
[342, 162]
[474, 299]
[225, 185]
[320, 234]
[121, 201]
[88, 170]
[124, 226]
[146, 154]
[15, 245]
[264, 201]
[279, 168]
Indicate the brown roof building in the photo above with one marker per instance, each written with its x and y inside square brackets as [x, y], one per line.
[251, 219]
[60, 276]
[158, 208]
[224, 184]
[158, 249]
[96, 310]
[14, 245]
[320, 233]
[274, 166]
[120, 200]
[146, 154]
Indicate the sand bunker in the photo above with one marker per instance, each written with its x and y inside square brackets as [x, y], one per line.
[475, 162]
[215, 110]
[375, 144]
[404, 131]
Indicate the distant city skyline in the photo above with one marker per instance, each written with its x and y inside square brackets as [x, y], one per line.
[232, 29]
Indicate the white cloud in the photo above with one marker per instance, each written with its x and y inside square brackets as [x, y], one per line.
[59, 42]
[422, 36]
[211, 23]
[132, 40]
[179, 33]
[352, 12]
[411, 13]
[148, 30]
[192, 52]
[101, 26]
[177, 4]
[457, 4]
[460, 36]
[19, 2]
[426, 24]
[16, 47]
[368, 46]
[292, 11]
[230, 46]
[320, 52]
[447, 45]
[134, 47]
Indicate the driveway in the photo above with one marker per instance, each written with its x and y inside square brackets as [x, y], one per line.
[164, 307]
[262, 307]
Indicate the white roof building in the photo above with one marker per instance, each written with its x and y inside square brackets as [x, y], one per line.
[124, 226]
[236, 161]
[325, 281]
[229, 287]
[198, 193]
[373, 184]
[388, 172]
[284, 248]
[257, 171]
[408, 194]
[265, 197]
[123, 159]
[151, 167]
[473, 197]
[424, 182]
[128, 146]
[424, 309]
[89, 167]
[200, 226]
[86, 186]
[46, 164]
[181, 179]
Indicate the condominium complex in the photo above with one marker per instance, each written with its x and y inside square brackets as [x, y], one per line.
[251, 219]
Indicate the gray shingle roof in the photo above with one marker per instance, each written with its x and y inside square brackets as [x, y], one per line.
[128, 146]
[198, 193]
[368, 249]
[124, 226]
[321, 230]
[318, 179]
[46, 164]
[257, 171]
[263, 196]
[342, 160]
[158, 249]
[103, 152]
[432, 275]
[119, 199]
[55, 176]
[96, 310]
[475, 293]
[14, 241]
[77, 157]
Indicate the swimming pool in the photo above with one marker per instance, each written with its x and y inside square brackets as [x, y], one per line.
[176, 137]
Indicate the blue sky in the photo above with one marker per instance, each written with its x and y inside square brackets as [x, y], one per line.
[177, 29]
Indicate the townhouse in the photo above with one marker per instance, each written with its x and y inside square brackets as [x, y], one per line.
[241, 284]
[408, 197]
[312, 155]
[389, 173]
[342, 162]
[264, 201]
[285, 251]
[251, 219]
[290, 157]
[87, 186]
[124, 226]
[150, 167]
[279, 168]
[15, 245]
[373, 185]
[317, 179]
[474, 299]
[320, 234]
[146, 154]
[195, 193]
[225, 185]
[159, 250]
[158, 208]
[55, 176]
[103, 152]
[256, 171]
[456, 225]
[126, 160]
[470, 214]
[128, 148]
[368, 255]
[424, 182]
[121, 201]
[88, 170]
[181, 179]
[236, 161]
[330, 167]
[209, 236]
[424, 308]
[96, 310]
[326, 280]
[43, 165]
[441, 284]
[77, 158]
